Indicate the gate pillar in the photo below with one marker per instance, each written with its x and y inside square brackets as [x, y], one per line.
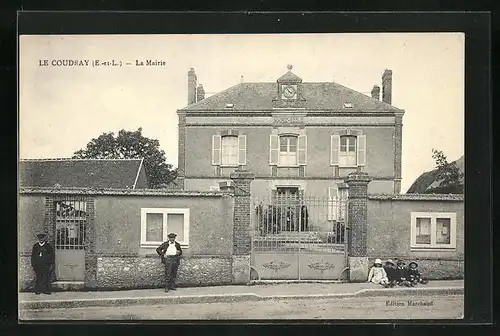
[241, 226]
[358, 221]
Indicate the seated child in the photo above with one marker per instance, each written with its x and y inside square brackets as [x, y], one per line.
[377, 274]
[402, 274]
[392, 273]
[414, 274]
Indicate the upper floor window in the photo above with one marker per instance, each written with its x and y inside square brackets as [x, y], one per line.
[433, 230]
[287, 150]
[229, 150]
[348, 153]
[348, 150]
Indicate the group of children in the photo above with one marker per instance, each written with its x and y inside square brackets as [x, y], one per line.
[393, 274]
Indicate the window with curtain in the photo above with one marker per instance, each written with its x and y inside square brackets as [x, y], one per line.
[230, 150]
[157, 223]
[433, 230]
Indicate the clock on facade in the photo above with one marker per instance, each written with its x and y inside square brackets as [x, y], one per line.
[289, 91]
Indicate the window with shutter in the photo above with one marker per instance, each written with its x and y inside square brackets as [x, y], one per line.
[333, 199]
[302, 150]
[361, 150]
[274, 149]
[216, 149]
[347, 151]
[242, 150]
[230, 151]
[335, 149]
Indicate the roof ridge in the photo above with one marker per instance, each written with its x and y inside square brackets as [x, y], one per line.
[71, 159]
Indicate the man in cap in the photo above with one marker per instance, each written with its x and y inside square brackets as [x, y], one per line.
[170, 253]
[42, 261]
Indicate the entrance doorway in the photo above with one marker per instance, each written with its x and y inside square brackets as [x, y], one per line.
[288, 204]
[295, 237]
[70, 239]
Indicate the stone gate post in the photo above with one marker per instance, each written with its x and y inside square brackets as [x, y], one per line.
[241, 226]
[358, 221]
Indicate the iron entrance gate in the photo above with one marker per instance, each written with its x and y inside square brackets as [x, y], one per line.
[300, 238]
[71, 232]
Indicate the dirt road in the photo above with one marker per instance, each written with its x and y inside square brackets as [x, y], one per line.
[425, 307]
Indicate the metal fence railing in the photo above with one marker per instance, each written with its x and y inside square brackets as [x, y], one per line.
[299, 224]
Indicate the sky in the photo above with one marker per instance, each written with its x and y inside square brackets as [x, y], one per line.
[62, 108]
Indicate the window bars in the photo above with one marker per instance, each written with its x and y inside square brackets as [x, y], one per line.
[71, 224]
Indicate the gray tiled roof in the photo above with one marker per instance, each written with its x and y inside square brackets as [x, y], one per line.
[79, 173]
[319, 96]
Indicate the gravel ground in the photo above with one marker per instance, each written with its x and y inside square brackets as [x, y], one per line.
[425, 307]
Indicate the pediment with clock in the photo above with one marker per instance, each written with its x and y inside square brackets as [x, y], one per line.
[289, 91]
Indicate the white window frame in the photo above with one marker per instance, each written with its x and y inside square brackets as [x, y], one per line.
[433, 217]
[354, 153]
[165, 212]
[224, 149]
[359, 150]
[288, 136]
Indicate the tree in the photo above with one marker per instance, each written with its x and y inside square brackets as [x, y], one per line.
[131, 145]
[447, 174]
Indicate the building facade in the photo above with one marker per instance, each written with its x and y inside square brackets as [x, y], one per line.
[296, 137]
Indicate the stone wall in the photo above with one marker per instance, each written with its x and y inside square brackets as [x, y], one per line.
[437, 269]
[148, 272]
[26, 274]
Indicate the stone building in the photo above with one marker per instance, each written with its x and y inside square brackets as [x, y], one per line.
[295, 136]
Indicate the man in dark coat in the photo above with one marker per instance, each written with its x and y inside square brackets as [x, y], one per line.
[170, 253]
[42, 261]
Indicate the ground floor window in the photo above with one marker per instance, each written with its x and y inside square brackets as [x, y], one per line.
[157, 223]
[433, 230]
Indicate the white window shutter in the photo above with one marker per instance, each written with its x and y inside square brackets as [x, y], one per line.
[302, 150]
[274, 149]
[242, 150]
[333, 199]
[335, 149]
[361, 150]
[216, 149]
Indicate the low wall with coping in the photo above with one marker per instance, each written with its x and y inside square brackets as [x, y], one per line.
[389, 232]
[114, 256]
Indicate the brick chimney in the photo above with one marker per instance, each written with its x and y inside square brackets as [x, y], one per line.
[191, 86]
[200, 93]
[376, 92]
[387, 86]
